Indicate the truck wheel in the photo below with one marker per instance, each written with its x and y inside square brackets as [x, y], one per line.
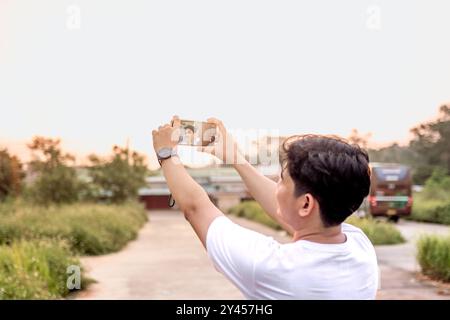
[393, 219]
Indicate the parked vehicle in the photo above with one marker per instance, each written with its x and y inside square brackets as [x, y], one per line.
[390, 192]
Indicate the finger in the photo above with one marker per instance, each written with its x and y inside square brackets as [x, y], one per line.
[159, 128]
[175, 137]
[217, 122]
[176, 121]
[212, 120]
[154, 132]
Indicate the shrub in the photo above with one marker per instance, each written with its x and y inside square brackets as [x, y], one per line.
[379, 232]
[252, 210]
[37, 243]
[433, 255]
[430, 210]
[11, 175]
[35, 270]
[56, 180]
[58, 185]
[433, 203]
[120, 176]
[437, 187]
[90, 229]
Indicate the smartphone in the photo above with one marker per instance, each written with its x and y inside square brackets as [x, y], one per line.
[197, 133]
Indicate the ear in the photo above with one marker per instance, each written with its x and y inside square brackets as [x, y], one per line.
[306, 205]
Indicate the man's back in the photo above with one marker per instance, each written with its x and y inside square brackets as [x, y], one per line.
[265, 269]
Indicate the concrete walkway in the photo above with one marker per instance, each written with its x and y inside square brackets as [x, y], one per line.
[400, 269]
[167, 261]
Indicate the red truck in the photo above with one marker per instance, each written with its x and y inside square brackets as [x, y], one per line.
[390, 191]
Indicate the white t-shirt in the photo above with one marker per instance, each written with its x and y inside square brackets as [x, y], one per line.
[262, 268]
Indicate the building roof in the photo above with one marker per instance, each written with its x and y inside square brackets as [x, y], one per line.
[214, 179]
[154, 191]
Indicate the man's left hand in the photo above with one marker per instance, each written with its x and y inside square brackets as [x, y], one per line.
[167, 135]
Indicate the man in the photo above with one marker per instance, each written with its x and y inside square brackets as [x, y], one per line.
[188, 135]
[323, 181]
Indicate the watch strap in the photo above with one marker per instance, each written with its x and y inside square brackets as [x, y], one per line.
[172, 154]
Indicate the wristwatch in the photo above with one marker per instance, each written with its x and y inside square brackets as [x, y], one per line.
[165, 153]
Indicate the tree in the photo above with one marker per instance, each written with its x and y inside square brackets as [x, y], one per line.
[359, 139]
[394, 153]
[427, 151]
[57, 180]
[120, 176]
[401, 154]
[438, 185]
[432, 141]
[11, 175]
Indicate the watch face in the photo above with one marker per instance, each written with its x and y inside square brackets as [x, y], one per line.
[165, 153]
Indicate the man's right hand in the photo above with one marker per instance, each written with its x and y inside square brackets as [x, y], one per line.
[225, 148]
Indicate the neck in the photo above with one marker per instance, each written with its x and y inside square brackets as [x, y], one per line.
[320, 234]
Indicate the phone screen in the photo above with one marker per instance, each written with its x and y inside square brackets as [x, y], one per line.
[197, 133]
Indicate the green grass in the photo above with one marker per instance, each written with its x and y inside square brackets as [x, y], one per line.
[35, 270]
[433, 255]
[252, 210]
[430, 210]
[37, 243]
[379, 232]
[89, 229]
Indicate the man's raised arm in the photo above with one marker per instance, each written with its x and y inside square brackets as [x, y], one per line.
[191, 198]
[262, 189]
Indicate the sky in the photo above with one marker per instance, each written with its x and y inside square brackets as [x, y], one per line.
[100, 72]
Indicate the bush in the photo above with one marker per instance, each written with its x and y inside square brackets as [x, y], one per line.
[35, 270]
[11, 175]
[56, 179]
[89, 229]
[433, 255]
[435, 211]
[57, 185]
[437, 187]
[433, 203]
[120, 176]
[379, 232]
[252, 210]
[37, 244]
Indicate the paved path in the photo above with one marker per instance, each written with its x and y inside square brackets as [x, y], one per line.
[403, 256]
[167, 261]
[399, 267]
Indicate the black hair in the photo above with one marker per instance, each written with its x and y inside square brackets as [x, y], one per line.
[335, 172]
[190, 127]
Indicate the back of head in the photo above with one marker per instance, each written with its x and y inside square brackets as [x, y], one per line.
[335, 172]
